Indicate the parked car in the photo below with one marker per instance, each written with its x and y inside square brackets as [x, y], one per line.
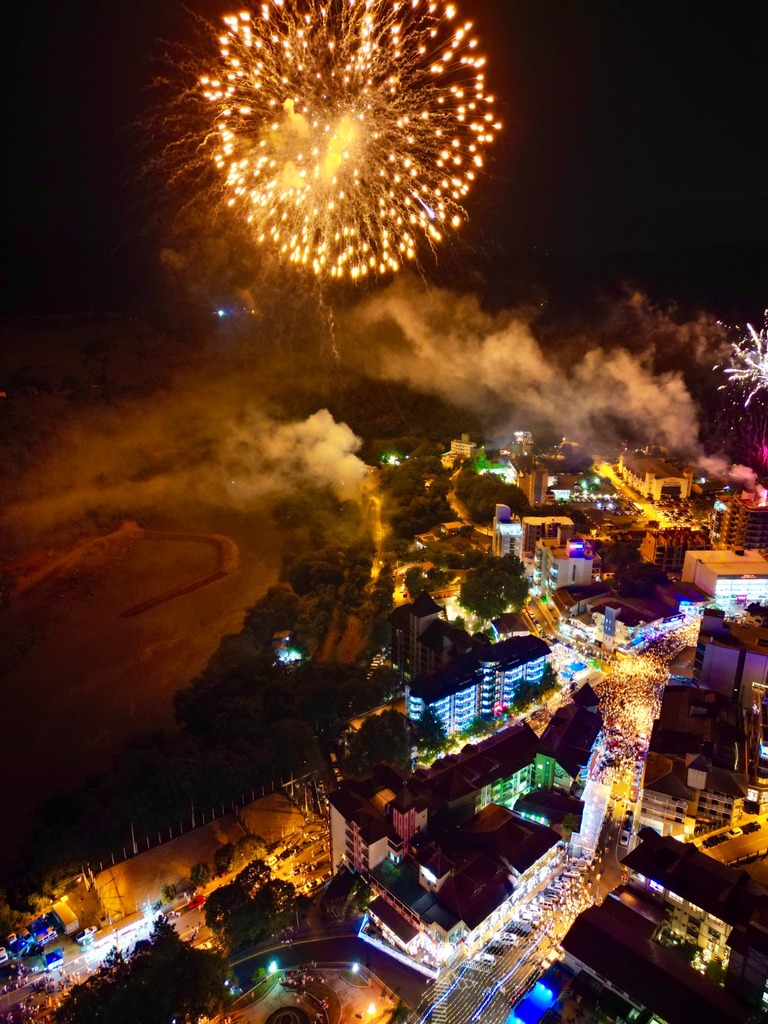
[3, 955]
[624, 838]
[197, 901]
[54, 960]
[85, 937]
[43, 938]
[735, 832]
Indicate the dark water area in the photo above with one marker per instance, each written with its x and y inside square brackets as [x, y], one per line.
[79, 679]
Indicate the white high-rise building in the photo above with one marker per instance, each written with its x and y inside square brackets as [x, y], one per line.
[507, 533]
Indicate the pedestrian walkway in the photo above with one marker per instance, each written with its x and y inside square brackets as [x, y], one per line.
[595, 796]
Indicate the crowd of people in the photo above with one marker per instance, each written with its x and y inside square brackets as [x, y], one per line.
[630, 698]
[44, 997]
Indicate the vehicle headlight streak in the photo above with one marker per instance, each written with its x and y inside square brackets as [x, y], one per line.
[347, 132]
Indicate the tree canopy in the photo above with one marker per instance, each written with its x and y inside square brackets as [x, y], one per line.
[494, 586]
[481, 492]
[250, 907]
[432, 735]
[164, 979]
[639, 579]
[383, 737]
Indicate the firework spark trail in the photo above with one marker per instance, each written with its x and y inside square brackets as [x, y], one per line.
[345, 132]
[750, 362]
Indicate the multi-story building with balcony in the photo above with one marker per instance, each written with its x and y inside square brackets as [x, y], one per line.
[722, 911]
[569, 563]
[614, 955]
[481, 683]
[440, 880]
[423, 640]
[667, 548]
[695, 775]
[745, 522]
[507, 533]
[536, 528]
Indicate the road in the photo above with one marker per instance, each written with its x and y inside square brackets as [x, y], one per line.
[462, 512]
[742, 846]
[79, 962]
[649, 511]
[378, 534]
[480, 989]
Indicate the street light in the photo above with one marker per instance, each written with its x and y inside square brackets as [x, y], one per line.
[355, 968]
[272, 967]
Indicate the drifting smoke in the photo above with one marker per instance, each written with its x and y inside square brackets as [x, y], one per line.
[279, 457]
[447, 345]
[197, 446]
[743, 477]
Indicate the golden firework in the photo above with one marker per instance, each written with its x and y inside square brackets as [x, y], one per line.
[345, 133]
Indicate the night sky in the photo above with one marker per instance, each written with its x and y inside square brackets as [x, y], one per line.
[635, 139]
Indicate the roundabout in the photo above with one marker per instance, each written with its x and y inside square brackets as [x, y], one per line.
[288, 1015]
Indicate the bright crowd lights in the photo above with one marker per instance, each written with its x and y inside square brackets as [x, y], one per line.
[630, 696]
[750, 362]
[348, 132]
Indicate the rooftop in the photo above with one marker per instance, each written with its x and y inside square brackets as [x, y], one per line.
[692, 720]
[641, 466]
[729, 895]
[478, 765]
[461, 672]
[728, 563]
[652, 976]
[569, 737]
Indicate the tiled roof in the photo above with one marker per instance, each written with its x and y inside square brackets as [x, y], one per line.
[550, 804]
[569, 737]
[390, 916]
[660, 777]
[517, 842]
[692, 721]
[425, 605]
[652, 976]
[586, 697]
[498, 757]
[732, 896]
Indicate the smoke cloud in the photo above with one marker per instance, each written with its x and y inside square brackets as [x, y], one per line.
[197, 445]
[446, 344]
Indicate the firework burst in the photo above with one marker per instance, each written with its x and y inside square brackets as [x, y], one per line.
[347, 133]
[749, 369]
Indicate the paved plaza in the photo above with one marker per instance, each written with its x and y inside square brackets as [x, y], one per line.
[346, 997]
